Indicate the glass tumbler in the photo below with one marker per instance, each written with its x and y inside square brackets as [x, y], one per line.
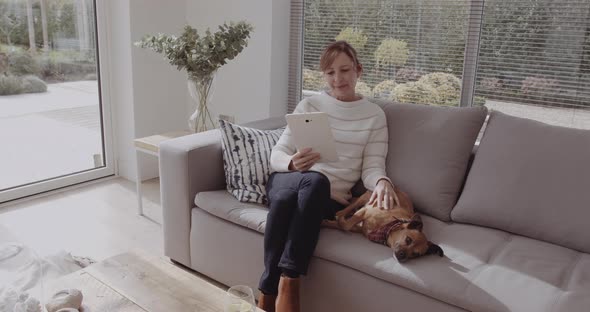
[239, 298]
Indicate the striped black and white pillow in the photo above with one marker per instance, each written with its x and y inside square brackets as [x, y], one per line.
[246, 159]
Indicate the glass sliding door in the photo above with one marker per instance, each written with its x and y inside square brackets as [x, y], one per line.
[54, 121]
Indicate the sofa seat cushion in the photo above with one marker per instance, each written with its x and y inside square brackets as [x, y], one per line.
[483, 269]
[223, 205]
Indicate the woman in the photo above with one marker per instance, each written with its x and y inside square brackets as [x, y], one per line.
[302, 192]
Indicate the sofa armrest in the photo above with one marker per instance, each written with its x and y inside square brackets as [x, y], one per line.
[189, 165]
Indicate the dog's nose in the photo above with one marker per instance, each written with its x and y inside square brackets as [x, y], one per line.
[401, 256]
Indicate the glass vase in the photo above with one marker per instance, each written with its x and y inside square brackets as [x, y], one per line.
[200, 91]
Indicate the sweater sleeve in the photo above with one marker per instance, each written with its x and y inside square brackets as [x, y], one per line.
[283, 151]
[374, 154]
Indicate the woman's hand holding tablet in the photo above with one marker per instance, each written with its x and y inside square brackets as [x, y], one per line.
[312, 130]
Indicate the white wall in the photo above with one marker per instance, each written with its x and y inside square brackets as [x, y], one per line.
[150, 96]
[159, 89]
[253, 85]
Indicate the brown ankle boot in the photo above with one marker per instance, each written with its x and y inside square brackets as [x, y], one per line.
[267, 302]
[288, 298]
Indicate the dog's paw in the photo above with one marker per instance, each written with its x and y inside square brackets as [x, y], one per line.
[340, 214]
[330, 224]
[343, 225]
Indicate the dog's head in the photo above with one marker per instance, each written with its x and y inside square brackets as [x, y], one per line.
[410, 242]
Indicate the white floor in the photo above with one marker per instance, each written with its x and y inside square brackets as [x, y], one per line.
[97, 220]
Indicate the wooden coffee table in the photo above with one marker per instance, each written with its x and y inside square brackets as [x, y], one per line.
[137, 281]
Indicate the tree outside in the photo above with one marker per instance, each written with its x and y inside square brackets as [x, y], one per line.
[391, 54]
[355, 37]
[52, 41]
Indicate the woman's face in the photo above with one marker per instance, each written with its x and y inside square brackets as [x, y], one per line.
[341, 77]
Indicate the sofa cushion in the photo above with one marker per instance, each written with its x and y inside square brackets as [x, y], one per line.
[429, 150]
[483, 269]
[532, 179]
[246, 160]
[222, 204]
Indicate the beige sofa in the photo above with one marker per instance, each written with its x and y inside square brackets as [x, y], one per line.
[512, 218]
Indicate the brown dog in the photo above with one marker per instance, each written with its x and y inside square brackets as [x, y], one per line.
[399, 228]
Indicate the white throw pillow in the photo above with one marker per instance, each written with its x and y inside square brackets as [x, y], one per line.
[246, 160]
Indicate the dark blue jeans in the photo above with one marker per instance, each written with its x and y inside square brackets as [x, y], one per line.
[298, 201]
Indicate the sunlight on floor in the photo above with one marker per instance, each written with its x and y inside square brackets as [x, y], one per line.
[97, 220]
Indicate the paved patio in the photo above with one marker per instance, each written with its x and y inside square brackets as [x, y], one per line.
[566, 117]
[50, 134]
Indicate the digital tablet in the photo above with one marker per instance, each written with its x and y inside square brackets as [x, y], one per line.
[313, 130]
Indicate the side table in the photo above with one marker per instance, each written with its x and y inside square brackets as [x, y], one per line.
[151, 146]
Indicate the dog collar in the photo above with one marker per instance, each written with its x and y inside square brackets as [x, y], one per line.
[380, 234]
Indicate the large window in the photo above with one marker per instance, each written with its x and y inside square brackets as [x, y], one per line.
[54, 124]
[534, 60]
[412, 51]
[514, 56]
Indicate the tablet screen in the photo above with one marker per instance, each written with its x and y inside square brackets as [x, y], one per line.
[313, 130]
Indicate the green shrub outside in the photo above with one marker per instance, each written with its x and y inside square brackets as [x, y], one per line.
[415, 92]
[438, 79]
[91, 77]
[448, 95]
[539, 87]
[55, 69]
[491, 84]
[363, 88]
[3, 63]
[76, 69]
[50, 70]
[407, 74]
[384, 89]
[22, 63]
[10, 85]
[356, 38]
[479, 100]
[6, 47]
[53, 66]
[447, 87]
[313, 80]
[392, 52]
[32, 84]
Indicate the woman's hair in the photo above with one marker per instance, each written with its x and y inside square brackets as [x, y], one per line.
[335, 48]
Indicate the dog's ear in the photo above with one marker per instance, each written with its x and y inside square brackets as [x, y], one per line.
[434, 249]
[415, 223]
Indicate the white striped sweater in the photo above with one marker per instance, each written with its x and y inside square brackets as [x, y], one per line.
[360, 132]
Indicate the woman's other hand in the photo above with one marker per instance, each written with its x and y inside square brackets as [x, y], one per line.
[384, 195]
[303, 160]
